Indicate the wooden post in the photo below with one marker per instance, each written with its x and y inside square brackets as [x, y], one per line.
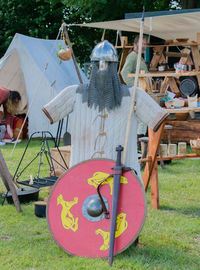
[154, 142]
[8, 181]
[157, 57]
[154, 187]
[173, 86]
[196, 59]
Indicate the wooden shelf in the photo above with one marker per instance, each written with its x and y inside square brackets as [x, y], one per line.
[183, 110]
[166, 74]
[158, 158]
[126, 47]
[174, 44]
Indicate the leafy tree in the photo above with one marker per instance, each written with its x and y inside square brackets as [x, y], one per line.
[36, 18]
[43, 18]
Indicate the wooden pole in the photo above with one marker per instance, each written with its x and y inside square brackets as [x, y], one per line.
[8, 182]
[154, 142]
[70, 47]
[132, 105]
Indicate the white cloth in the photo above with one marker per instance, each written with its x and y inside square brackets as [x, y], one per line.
[85, 125]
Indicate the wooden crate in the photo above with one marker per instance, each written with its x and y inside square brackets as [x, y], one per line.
[183, 131]
[65, 151]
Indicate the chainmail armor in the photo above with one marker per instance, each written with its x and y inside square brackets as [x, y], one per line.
[104, 90]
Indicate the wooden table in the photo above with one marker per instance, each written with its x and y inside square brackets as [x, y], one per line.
[151, 167]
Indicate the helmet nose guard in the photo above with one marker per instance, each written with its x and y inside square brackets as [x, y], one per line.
[104, 51]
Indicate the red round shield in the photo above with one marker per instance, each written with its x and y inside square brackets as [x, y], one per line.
[75, 229]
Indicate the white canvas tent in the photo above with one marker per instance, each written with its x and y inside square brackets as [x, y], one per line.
[167, 25]
[30, 66]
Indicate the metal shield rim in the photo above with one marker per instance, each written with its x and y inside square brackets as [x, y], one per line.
[141, 225]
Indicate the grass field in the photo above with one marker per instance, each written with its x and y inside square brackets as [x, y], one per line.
[170, 238]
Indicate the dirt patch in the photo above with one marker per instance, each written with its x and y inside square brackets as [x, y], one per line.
[5, 237]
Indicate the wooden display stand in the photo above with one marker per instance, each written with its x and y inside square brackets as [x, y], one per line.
[160, 56]
[170, 82]
[151, 167]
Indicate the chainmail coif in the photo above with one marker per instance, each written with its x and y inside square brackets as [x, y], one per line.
[104, 90]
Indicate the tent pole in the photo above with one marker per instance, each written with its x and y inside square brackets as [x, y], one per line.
[70, 47]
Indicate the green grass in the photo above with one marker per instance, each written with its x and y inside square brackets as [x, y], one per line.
[170, 238]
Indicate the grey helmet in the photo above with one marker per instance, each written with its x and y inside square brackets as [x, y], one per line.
[104, 51]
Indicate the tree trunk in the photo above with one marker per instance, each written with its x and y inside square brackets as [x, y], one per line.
[8, 182]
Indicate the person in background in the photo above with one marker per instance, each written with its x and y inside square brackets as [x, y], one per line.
[131, 62]
[130, 67]
[10, 100]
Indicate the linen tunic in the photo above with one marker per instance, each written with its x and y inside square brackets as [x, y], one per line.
[85, 125]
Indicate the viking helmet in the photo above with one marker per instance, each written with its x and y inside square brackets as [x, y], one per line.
[103, 53]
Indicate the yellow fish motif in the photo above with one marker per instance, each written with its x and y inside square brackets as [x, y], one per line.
[98, 177]
[68, 221]
[121, 226]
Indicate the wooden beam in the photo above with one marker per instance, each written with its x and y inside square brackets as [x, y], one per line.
[154, 187]
[166, 73]
[175, 54]
[196, 59]
[157, 56]
[154, 143]
[8, 181]
[170, 158]
[173, 86]
[164, 85]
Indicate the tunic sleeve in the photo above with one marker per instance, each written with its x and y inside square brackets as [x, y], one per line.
[61, 105]
[148, 111]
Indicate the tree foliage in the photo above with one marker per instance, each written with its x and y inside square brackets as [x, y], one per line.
[36, 18]
[43, 18]
[103, 10]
